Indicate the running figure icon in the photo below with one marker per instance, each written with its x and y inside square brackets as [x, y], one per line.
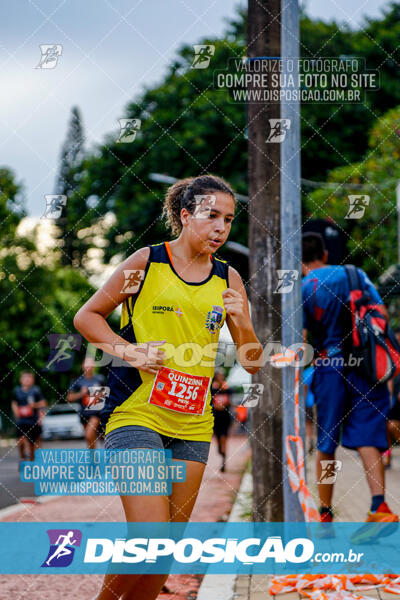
[64, 346]
[62, 549]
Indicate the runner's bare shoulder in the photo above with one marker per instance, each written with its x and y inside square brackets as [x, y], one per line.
[137, 260]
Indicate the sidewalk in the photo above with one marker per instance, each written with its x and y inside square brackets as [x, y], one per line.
[214, 502]
[351, 503]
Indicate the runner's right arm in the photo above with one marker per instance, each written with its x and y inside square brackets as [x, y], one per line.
[14, 408]
[91, 322]
[74, 396]
[75, 393]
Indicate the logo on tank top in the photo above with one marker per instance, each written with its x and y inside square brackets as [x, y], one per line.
[214, 319]
[161, 310]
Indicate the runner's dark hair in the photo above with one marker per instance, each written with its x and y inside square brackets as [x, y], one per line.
[313, 246]
[182, 195]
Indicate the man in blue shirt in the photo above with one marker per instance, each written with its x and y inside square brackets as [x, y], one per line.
[350, 410]
[28, 406]
[79, 392]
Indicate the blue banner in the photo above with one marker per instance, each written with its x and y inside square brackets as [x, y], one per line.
[260, 548]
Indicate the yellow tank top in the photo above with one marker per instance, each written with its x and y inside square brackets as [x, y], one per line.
[189, 317]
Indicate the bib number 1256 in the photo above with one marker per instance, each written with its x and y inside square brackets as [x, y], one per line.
[180, 391]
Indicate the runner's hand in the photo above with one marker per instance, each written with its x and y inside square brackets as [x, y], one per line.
[145, 357]
[234, 305]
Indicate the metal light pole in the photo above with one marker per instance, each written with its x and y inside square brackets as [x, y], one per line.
[291, 243]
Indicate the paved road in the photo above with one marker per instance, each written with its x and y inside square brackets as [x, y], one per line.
[11, 488]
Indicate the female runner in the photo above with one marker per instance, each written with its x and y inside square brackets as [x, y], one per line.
[182, 299]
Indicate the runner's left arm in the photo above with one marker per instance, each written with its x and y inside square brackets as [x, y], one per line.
[240, 326]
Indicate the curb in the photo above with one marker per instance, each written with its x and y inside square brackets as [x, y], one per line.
[222, 587]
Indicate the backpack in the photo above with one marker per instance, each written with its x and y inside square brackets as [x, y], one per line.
[372, 341]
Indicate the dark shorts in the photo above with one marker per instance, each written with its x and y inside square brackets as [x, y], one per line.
[350, 410]
[394, 413]
[30, 431]
[136, 436]
[85, 416]
[222, 421]
[310, 413]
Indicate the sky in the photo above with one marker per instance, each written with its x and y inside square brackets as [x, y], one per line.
[111, 49]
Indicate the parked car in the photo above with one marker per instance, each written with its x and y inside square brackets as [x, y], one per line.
[62, 421]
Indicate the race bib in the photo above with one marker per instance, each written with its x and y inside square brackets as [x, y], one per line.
[25, 411]
[179, 391]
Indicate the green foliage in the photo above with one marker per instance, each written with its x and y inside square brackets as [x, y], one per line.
[188, 128]
[379, 173]
[336, 135]
[76, 215]
[35, 303]
[11, 206]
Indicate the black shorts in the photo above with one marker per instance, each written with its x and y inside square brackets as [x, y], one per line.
[85, 416]
[394, 412]
[222, 421]
[30, 431]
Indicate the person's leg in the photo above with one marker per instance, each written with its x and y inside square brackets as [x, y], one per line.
[365, 430]
[36, 439]
[139, 509]
[330, 396]
[394, 429]
[31, 447]
[181, 503]
[21, 447]
[387, 454]
[184, 493]
[218, 436]
[222, 449]
[91, 432]
[325, 490]
[136, 508]
[309, 436]
[374, 470]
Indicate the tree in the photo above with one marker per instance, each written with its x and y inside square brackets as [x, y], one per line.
[37, 300]
[376, 175]
[11, 206]
[188, 126]
[74, 217]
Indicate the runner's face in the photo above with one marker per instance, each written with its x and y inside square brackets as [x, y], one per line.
[210, 225]
[27, 380]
